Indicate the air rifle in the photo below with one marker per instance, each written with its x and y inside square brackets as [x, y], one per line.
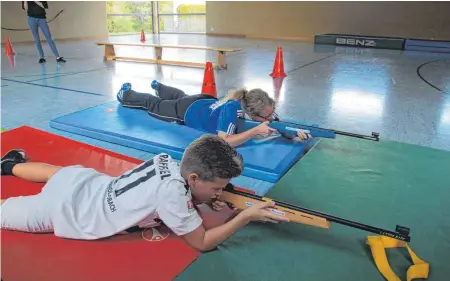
[286, 131]
[317, 131]
[242, 200]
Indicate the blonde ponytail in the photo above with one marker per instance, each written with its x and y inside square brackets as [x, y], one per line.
[253, 102]
[235, 95]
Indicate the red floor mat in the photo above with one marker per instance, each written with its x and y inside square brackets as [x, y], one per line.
[44, 257]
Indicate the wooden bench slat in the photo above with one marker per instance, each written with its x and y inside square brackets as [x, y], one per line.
[110, 53]
[167, 62]
[170, 46]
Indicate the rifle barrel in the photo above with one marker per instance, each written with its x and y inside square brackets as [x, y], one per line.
[402, 233]
[374, 137]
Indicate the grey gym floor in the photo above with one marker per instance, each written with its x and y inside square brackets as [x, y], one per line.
[405, 96]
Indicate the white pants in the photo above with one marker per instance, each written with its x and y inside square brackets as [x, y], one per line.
[27, 214]
[34, 213]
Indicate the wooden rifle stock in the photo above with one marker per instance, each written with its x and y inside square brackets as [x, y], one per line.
[242, 200]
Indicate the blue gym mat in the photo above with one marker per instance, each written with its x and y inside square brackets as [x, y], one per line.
[266, 160]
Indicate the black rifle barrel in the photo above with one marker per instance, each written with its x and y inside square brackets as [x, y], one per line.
[402, 233]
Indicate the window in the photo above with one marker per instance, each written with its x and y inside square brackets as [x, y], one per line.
[185, 16]
[188, 16]
[129, 17]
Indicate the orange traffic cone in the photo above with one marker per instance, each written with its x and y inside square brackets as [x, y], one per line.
[142, 35]
[278, 67]
[209, 83]
[9, 49]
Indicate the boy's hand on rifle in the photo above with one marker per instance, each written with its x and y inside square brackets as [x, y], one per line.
[261, 212]
[218, 205]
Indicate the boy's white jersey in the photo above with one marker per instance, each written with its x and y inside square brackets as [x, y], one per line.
[95, 205]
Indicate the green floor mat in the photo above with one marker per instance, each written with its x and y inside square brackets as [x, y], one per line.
[380, 184]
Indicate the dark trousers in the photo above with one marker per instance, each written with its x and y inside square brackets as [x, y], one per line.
[170, 105]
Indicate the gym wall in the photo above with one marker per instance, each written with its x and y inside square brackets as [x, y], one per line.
[79, 20]
[303, 20]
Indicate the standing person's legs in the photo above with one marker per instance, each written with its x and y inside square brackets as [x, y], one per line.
[167, 92]
[33, 24]
[46, 31]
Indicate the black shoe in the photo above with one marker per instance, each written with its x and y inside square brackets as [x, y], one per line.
[60, 59]
[13, 156]
[42, 60]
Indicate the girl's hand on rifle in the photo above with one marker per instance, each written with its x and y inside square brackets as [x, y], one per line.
[302, 136]
[263, 129]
